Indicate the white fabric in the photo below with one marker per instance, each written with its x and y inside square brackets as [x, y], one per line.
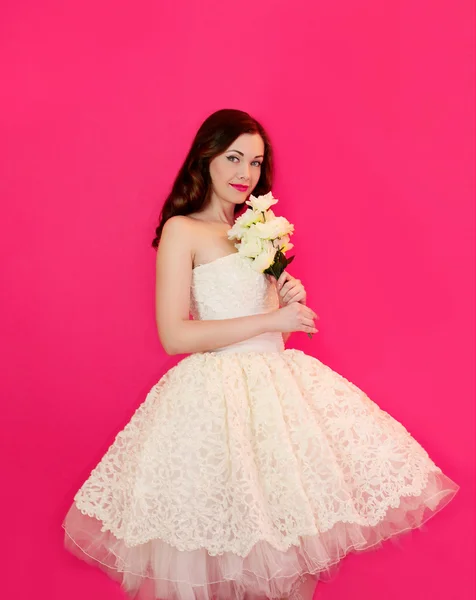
[250, 466]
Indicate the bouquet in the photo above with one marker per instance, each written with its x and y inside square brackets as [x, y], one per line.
[263, 237]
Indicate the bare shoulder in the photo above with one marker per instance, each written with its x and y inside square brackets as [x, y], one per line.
[178, 224]
[179, 230]
[193, 239]
[175, 245]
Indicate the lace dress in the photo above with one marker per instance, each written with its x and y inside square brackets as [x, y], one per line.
[249, 467]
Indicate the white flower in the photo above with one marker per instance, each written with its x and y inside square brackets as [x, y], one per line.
[251, 245]
[287, 247]
[282, 243]
[265, 259]
[243, 222]
[260, 233]
[276, 227]
[236, 232]
[249, 217]
[262, 203]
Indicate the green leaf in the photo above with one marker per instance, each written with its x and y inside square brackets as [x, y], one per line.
[290, 259]
[279, 264]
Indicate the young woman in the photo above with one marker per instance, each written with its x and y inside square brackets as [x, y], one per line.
[249, 466]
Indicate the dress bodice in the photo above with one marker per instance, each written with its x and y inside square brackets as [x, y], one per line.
[228, 287]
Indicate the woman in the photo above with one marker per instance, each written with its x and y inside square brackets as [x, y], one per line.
[248, 465]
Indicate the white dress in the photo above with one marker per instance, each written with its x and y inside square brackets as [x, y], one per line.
[248, 467]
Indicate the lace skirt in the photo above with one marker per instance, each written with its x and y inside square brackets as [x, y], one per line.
[250, 475]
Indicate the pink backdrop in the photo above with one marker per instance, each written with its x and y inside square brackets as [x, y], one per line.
[369, 105]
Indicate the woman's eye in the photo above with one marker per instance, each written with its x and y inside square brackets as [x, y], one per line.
[255, 163]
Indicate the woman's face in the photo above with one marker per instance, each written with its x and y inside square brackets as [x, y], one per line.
[236, 172]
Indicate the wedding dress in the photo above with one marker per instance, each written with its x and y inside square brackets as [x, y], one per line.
[248, 468]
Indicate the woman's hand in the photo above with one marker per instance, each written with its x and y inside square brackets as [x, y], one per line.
[293, 317]
[290, 290]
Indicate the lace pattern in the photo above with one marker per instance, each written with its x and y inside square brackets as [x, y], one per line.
[226, 451]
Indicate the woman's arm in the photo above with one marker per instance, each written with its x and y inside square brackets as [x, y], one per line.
[285, 334]
[177, 332]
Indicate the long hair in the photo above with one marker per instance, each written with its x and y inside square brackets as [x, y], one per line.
[191, 189]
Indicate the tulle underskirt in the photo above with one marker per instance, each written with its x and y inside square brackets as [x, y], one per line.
[158, 571]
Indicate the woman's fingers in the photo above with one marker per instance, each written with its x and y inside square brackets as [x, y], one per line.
[285, 276]
[299, 297]
[292, 294]
[311, 313]
[291, 288]
[286, 288]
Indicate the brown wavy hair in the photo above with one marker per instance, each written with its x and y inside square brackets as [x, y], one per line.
[191, 189]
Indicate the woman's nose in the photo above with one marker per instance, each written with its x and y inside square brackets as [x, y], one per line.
[245, 172]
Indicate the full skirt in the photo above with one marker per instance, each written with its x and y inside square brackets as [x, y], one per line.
[243, 474]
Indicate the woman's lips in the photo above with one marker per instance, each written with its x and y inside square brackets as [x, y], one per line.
[240, 188]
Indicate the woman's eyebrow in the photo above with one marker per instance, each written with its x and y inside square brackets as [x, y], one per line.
[257, 156]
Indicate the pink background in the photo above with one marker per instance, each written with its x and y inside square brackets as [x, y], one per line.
[370, 108]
